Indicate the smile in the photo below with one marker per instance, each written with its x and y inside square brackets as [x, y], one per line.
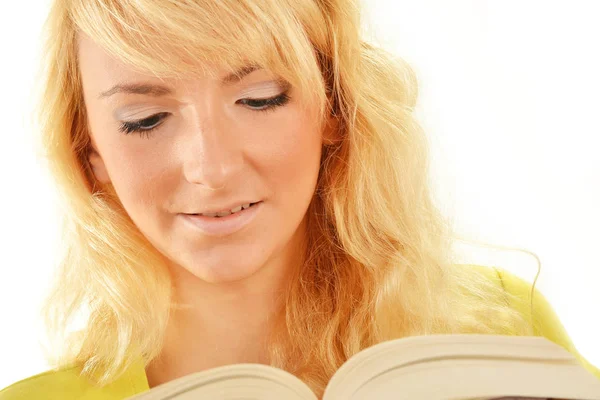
[222, 225]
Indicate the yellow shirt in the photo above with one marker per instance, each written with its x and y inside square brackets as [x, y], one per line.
[66, 384]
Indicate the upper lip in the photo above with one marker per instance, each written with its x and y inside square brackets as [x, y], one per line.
[212, 210]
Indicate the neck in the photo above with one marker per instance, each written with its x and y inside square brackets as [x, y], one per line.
[221, 323]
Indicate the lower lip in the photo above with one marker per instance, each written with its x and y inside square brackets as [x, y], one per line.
[222, 226]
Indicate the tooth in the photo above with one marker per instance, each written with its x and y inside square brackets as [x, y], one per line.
[226, 213]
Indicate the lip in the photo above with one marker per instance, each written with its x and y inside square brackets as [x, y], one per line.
[228, 208]
[222, 226]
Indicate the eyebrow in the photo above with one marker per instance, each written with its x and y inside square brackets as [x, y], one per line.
[160, 90]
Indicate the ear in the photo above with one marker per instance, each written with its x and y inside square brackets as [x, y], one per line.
[98, 166]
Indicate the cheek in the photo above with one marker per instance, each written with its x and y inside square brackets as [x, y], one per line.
[137, 174]
[289, 157]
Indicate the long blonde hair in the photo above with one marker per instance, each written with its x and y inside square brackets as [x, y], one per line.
[378, 264]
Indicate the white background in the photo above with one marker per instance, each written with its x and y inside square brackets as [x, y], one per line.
[509, 96]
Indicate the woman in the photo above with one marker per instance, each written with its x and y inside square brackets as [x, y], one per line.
[244, 181]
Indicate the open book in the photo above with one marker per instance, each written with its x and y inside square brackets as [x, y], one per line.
[444, 367]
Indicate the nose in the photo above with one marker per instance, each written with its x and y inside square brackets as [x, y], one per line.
[212, 155]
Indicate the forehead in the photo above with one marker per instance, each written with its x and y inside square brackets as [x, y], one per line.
[94, 59]
[100, 71]
[99, 68]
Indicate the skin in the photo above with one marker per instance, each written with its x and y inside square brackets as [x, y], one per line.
[210, 151]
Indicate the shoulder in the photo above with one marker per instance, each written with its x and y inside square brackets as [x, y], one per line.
[529, 301]
[67, 384]
[524, 297]
[45, 385]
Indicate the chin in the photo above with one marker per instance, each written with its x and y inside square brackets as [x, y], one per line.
[222, 273]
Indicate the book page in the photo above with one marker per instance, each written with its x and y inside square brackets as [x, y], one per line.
[464, 366]
[236, 381]
[521, 398]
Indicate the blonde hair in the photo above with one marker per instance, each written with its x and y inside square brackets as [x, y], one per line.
[378, 264]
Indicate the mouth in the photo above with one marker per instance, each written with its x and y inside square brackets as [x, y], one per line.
[224, 214]
[224, 225]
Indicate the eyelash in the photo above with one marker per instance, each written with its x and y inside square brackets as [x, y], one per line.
[268, 104]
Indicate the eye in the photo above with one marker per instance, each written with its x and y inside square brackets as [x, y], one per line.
[143, 126]
[269, 104]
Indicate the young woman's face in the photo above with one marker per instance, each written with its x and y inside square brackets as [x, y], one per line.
[204, 146]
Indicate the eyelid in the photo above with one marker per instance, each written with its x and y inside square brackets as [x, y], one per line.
[136, 112]
[273, 88]
[139, 113]
[165, 114]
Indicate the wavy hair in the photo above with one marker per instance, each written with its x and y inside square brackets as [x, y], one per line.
[378, 264]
